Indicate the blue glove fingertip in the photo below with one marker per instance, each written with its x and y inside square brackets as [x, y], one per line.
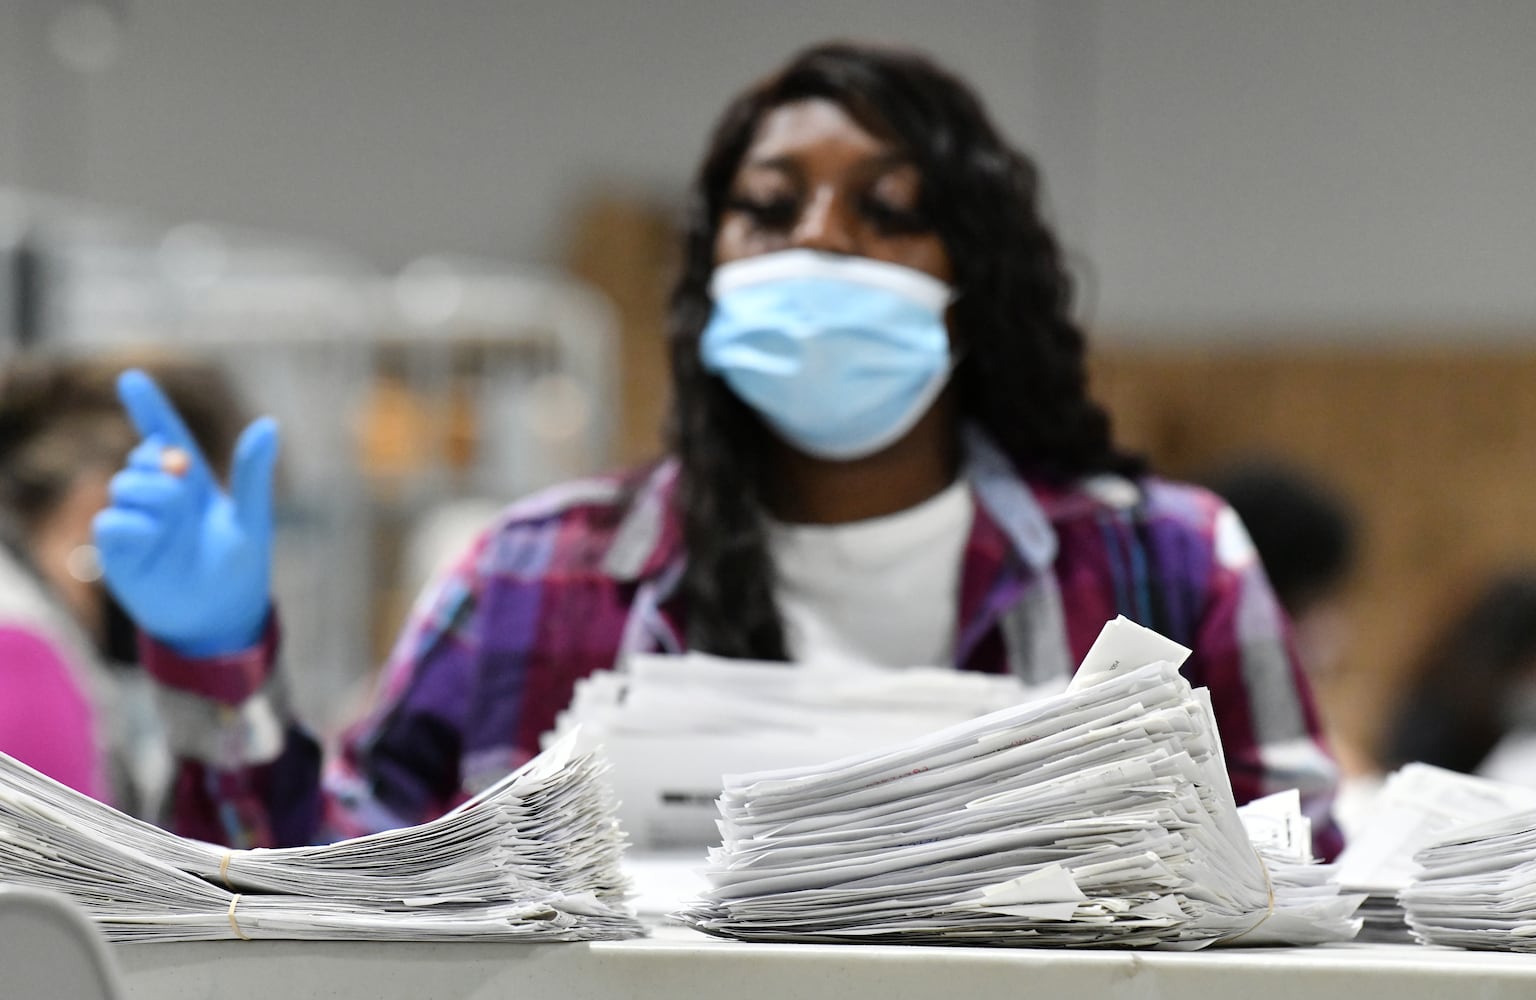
[250, 479]
[151, 412]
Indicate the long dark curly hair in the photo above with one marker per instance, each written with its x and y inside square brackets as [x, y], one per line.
[1021, 376]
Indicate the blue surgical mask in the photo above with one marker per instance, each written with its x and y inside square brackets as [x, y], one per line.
[840, 355]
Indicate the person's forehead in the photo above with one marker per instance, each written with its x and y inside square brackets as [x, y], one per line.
[796, 127]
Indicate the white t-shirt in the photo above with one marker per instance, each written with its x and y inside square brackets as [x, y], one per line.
[881, 592]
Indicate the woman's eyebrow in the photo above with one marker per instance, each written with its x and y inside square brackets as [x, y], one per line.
[874, 166]
[788, 161]
[781, 164]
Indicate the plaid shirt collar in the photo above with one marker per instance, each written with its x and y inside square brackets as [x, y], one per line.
[1012, 518]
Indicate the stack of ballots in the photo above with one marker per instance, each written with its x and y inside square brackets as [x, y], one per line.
[1418, 805]
[534, 858]
[1476, 887]
[673, 725]
[1102, 816]
[1310, 907]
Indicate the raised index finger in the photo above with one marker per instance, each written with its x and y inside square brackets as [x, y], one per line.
[160, 424]
[151, 412]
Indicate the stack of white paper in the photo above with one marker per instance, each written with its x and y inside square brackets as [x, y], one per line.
[1309, 908]
[1477, 887]
[674, 724]
[1417, 806]
[1101, 816]
[534, 858]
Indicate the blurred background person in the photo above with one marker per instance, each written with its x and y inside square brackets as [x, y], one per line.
[1470, 701]
[73, 702]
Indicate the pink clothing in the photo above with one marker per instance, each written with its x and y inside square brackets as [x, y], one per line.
[45, 715]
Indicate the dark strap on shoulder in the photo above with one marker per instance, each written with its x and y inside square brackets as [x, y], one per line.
[1150, 581]
[1143, 596]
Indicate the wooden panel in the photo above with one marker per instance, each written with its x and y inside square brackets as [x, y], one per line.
[627, 247]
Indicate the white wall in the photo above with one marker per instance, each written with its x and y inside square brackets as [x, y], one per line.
[10, 86]
[400, 125]
[1232, 168]
[42, 142]
[1359, 164]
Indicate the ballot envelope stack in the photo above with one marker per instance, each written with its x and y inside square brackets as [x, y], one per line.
[673, 725]
[1101, 816]
[536, 857]
[1476, 887]
[1418, 805]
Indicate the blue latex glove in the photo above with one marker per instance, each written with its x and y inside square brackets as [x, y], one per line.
[190, 564]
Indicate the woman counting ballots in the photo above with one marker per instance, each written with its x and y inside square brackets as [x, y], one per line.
[882, 448]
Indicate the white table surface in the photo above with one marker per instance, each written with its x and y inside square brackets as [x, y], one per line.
[679, 963]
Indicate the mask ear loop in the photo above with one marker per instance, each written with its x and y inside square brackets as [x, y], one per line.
[959, 349]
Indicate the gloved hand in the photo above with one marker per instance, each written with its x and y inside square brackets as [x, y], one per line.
[190, 564]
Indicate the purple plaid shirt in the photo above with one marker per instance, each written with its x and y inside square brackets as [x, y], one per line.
[564, 583]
